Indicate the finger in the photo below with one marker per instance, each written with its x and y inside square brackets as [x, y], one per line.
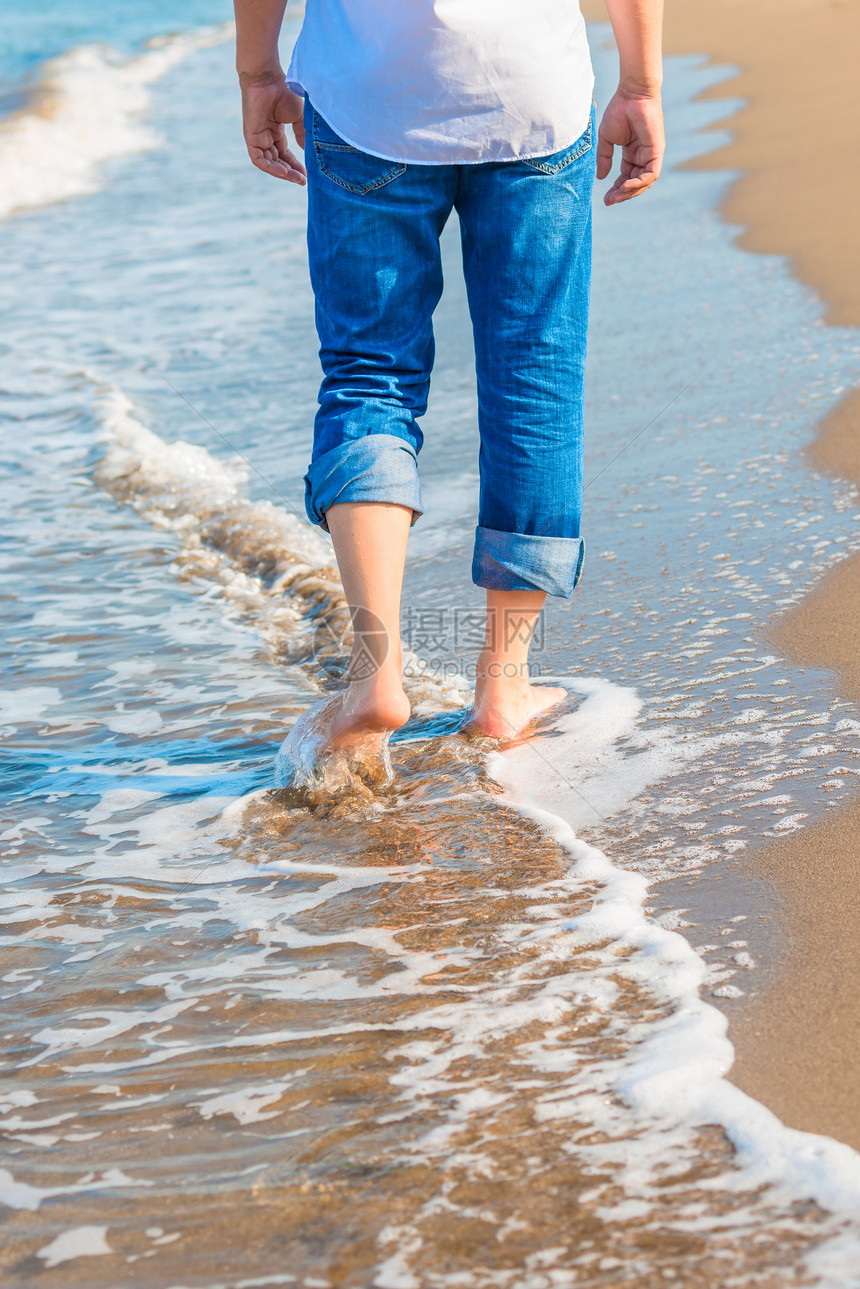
[276, 159]
[287, 157]
[655, 167]
[625, 189]
[299, 132]
[279, 169]
[632, 181]
[617, 196]
[604, 156]
[641, 160]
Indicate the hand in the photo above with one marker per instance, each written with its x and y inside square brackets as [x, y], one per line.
[635, 124]
[266, 109]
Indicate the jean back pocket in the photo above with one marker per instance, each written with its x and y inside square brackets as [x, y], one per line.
[557, 161]
[357, 171]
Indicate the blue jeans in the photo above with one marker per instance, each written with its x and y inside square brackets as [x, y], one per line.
[373, 241]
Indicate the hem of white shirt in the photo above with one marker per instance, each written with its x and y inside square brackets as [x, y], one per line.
[297, 88]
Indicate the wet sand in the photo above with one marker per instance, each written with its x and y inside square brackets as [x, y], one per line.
[798, 1040]
[798, 1043]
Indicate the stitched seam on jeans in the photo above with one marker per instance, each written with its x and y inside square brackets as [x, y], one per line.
[339, 147]
[361, 188]
[398, 169]
[579, 563]
[535, 163]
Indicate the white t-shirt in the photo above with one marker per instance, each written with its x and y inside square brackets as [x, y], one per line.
[443, 82]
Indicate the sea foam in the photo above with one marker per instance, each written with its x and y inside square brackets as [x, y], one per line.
[676, 1077]
[591, 763]
[270, 568]
[87, 108]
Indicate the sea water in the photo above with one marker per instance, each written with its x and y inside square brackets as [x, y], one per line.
[430, 1035]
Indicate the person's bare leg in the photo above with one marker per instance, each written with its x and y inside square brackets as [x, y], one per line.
[505, 700]
[370, 544]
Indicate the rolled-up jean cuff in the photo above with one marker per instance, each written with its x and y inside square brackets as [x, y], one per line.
[524, 562]
[378, 467]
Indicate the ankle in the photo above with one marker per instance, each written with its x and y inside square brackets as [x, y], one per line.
[376, 703]
[364, 671]
[495, 669]
[381, 689]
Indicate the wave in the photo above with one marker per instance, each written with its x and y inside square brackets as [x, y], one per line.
[562, 946]
[277, 571]
[87, 109]
[674, 1072]
[269, 568]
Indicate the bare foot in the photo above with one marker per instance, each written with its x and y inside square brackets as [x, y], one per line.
[364, 717]
[505, 705]
[369, 710]
[344, 739]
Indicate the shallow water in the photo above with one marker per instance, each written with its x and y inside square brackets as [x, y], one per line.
[421, 1037]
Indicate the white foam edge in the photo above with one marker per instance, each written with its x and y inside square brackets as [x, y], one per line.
[79, 1242]
[579, 768]
[144, 470]
[20, 1195]
[677, 1076]
[682, 1079]
[132, 448]
[88, 108]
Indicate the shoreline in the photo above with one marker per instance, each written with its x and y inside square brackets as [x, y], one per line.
[797, 1040]
[797, 1043]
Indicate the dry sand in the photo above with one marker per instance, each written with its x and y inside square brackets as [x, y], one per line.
[795, 144]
